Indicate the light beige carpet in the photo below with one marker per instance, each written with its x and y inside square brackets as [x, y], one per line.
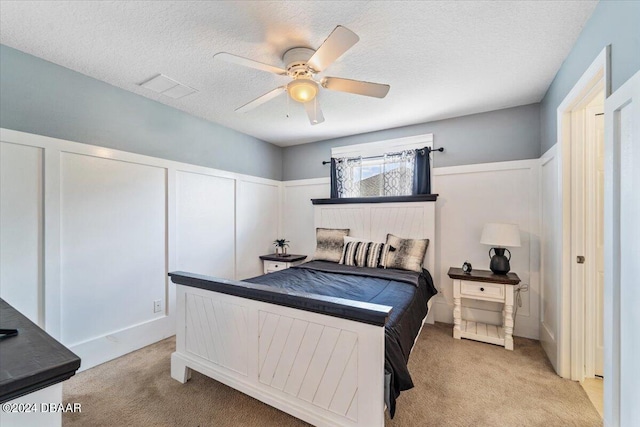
[457, 383]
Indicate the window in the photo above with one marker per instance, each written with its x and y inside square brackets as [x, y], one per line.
[382, 169]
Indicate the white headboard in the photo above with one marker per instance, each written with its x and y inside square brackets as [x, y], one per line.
[412, 220]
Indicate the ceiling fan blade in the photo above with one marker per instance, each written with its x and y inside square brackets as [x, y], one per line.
[339, 41]
[261, 99]
[314, 112]
[356, 86]
[235, 59]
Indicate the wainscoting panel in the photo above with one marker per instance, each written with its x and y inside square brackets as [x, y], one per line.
[21, 222]
[298, 214]
[205, 224]
[258, 217]
[112, 244]
[550, 255]
[471, 196]
[100, 229]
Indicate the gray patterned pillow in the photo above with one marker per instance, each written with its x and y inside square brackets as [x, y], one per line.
[329, 244]
[408, 253]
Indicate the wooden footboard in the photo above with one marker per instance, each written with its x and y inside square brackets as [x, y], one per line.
[324, 369]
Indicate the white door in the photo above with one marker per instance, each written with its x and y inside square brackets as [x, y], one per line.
[622, 252]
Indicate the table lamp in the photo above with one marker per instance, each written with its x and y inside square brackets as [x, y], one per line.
[499, 236]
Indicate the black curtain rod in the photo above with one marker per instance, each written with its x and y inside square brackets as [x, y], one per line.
[431, 150]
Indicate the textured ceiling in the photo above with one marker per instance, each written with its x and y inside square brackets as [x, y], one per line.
[442, 59]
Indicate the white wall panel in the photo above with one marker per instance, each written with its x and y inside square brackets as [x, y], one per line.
[257, 221]
[298, 214]
[110, 226]
[205, 224]
[112, 245]
[21, 228]
[550, 256]
[471, 196]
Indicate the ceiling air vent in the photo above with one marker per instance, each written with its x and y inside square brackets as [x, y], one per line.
[168, 87]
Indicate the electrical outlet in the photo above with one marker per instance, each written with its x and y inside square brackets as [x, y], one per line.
[157, 306]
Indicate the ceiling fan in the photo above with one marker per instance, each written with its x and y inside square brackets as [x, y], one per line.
[302, 64]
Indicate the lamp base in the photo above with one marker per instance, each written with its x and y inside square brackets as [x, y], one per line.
[499, 262]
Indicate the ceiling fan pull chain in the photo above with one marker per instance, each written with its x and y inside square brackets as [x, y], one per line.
[287, 106]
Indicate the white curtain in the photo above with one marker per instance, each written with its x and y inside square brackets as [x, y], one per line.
[397, 172]
[389, 175]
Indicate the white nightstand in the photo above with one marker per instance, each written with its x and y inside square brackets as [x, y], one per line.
[484, 286]
[275, 262]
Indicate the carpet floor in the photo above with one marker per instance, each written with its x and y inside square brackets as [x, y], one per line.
[457, 383]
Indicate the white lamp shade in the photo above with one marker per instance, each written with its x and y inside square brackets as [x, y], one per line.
[503, 235]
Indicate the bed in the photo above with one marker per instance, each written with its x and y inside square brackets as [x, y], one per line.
[311, 340]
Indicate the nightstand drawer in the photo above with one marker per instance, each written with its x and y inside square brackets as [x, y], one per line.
[476, 289]
[271, 266]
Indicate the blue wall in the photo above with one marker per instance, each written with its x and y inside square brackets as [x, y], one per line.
[39, 97]
[501, 135]
[613, 22]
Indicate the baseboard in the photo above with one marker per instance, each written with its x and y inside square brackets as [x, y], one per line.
[108, 347]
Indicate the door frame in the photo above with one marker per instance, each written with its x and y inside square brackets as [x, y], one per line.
[570, 133]
[622, 250]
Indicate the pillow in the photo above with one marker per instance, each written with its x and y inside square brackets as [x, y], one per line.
[408, 253]
[359, 253]
[329, 244]
[351, 260]
[348, 239]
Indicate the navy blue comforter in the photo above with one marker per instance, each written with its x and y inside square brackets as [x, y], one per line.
[406, 291]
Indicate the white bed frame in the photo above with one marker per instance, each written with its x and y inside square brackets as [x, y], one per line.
[326, 370]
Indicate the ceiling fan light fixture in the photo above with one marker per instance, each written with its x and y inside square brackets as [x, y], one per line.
[302, 65]
[302, 90]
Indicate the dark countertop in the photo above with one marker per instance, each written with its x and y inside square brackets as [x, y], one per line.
[31, 360]
[280, 258]
[484, 276]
